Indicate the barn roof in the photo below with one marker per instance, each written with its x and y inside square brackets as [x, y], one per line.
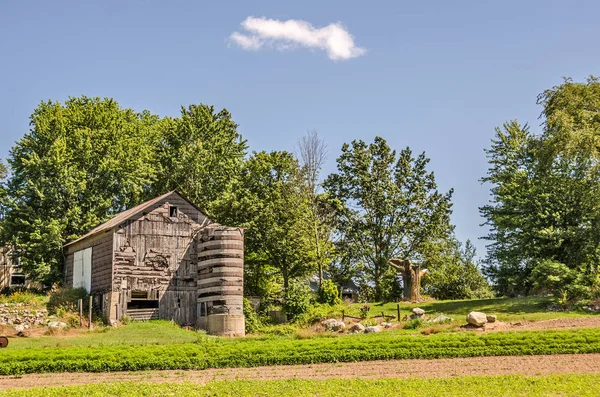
[125, 215]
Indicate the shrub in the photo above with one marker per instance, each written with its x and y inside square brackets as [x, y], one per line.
[253, 322]
[328, 293]
[414, 324]
[65, 300]
[296, 300]
[364, 310]
[21, 296]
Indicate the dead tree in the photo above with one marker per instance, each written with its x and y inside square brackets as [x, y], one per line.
[411, 277]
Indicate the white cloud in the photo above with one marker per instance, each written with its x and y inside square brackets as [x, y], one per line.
[283, 35]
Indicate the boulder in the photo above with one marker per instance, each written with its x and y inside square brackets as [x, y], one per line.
[441, 319]
[477, 319]
[491, 318]
[358, 327]
[19, 329]
[418, 311]
[372, 328]
[56, 325]
[386, 325]
[331, 324]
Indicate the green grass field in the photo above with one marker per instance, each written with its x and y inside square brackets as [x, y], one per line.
[528, 309]
[511, 385]
[213, 352]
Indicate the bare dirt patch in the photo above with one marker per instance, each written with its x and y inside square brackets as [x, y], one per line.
[560, 323]
[439, 368]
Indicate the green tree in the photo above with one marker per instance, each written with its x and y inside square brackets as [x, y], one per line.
[3, 174]
[81, 162]
[200, 154]
[312, 156]
[389, 206]
[453, 272]
[271, 202]
[545, 189]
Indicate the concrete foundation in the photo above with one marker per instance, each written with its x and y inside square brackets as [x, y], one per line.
[226, 324]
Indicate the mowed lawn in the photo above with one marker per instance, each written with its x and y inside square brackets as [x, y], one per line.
[510, 385]
[163, 345]
[164, 332]
[516, 309]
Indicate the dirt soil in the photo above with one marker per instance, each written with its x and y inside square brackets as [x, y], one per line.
[439, 368]
[561, 323]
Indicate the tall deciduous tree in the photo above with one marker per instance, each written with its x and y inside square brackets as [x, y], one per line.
[389, 206]
[200, 154]
[545, 205]
[81, 162]
[313, 154]
[270, 200]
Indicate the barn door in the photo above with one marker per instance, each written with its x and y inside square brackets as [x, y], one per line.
[82, 269]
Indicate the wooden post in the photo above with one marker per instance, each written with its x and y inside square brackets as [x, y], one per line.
[382, 316]
[398, 308]
[343, 316]
[90, 314]
[80, 313]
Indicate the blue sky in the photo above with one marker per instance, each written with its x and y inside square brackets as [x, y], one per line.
[437, 76]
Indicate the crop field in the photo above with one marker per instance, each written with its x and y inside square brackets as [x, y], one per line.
[511, 385]
[212, 352]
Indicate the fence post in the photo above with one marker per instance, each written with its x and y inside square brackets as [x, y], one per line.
[90, 314]
[343, 316]
[398, 307]
[80, 313]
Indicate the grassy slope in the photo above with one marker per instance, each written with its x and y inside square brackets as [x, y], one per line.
[211, 352]
[142, 333]
[531, 308]
[554, 385]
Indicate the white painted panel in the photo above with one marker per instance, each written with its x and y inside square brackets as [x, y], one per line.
[82, 269]
[78, 269]
[87, 269]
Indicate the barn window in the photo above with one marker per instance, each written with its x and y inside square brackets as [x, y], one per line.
[82, 269]
[17, 280]
[173, 211]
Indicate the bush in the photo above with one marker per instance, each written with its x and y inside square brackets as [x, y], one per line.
[21, 296]
[328, 293]
[253, 322]
[364, 310]
[296, 300]
[414, 324]
[65, 300]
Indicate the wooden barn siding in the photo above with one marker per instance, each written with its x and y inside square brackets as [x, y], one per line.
[102, 259]
[155, 234]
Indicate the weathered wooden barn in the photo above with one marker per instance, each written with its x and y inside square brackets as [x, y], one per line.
[10, 272]
[163, 259]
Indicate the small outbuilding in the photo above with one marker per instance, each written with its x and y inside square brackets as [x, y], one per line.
[163, 259]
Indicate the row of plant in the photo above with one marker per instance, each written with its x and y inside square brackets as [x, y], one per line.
[211, 352]
[509, 385]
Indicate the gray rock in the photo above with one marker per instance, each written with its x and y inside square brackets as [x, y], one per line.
[331, 324]
[418, 311]
[358, 327]
[386, 325]
[19, 329]
[491, 318]
[441, 319]
[56, 325]
[477, 318]
[372, 328]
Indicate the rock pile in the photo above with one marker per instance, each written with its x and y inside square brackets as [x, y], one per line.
[19, 314]
[331, 324]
